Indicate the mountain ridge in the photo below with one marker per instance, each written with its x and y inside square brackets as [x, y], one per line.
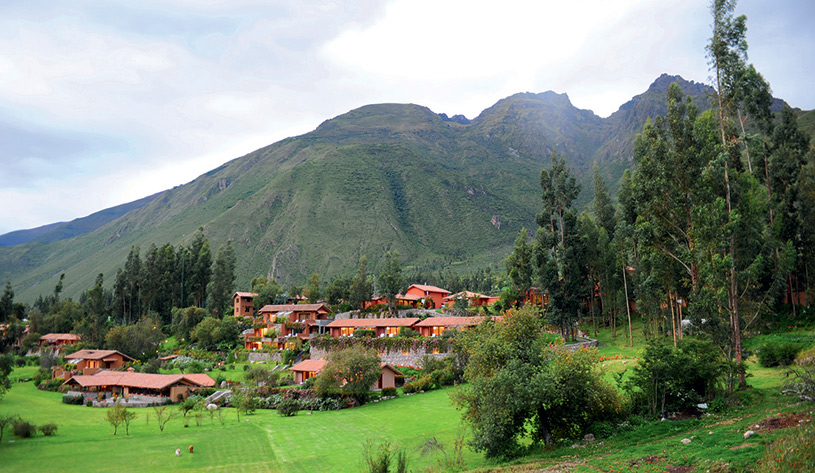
[379, 177]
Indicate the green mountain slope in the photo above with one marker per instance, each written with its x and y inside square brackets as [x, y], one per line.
[381, 177]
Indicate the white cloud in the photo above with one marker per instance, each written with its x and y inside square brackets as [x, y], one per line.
[104, 103]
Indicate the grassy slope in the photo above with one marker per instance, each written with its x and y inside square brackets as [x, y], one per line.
[332, 441]
[322, 441]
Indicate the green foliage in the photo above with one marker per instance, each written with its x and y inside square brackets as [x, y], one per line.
[24, 429]
[423, 383]
[287, 356]
[350, 371]
[6, 366]
[140, 340]
[364, 332]
[215, 334]
[73, 399]
[378, 457]
[390, 392]
[778, 354]
[667, 378]
[386, 344]
[519, 384]
[288, 407]
[223, 280]
[390, 279]
[48, 429]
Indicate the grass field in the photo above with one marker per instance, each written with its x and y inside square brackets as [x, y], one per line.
[263, 442]
[333, 441]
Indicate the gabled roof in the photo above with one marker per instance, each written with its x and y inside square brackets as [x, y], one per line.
[387, 322]
[274, 308]
[424, 287]
[52, 337]
[385, 365]
[96, 355]
[310, 366]
[244, 294]
[451, 321]
[140, 380]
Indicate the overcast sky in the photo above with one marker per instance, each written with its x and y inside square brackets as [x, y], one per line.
[103, 102]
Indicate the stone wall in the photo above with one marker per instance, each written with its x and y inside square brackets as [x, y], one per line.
[395, 357]
[262, 357]
[587, 342]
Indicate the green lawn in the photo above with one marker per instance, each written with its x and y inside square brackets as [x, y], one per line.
[322, 441]
[332, 441]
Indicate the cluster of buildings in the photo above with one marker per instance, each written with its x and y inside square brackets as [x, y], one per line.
[280, 326]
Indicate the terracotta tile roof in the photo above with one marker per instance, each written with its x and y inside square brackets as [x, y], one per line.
[385, 365]
[388, 322]
[51, 337]
[466, 294]
[274, 308]
[200, 379]
[310, 366]
[139, 380]
[244, 294]
[96, 355]
[423, 287]
[450, 321]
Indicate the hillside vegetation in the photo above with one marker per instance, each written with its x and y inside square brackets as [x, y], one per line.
[381, 177]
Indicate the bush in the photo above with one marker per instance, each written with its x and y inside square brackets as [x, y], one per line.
[425, 383]
[364, 332]
[89, 403]
[444, 377]
[51, 385]
[602, 429]
[389, 392]
[288, 356]
[778, 354]
[24, 429]
[72, 399]
[288, 407]
[48, 429]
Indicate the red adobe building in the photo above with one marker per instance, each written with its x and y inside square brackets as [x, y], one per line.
[437, 294]
[243, 303]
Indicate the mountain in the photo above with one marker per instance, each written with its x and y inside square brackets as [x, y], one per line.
[63, 230]
[438, 190]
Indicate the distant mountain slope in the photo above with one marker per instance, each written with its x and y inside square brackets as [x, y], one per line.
[381, 177]
[62, 230]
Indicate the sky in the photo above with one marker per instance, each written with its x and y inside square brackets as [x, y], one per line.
[103, 102]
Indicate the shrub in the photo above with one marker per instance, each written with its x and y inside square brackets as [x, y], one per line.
[288, 407]
[778, 354]
[72, 399]
[389, 392]
[24, 429]
[443, 377]
[51, 385]
[89, 403]
[288, 356]
[602, 429]
[48, 429]
[425, 383]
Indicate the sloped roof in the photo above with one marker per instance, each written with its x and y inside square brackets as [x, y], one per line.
[310, 366]
[451, 321]
[424, 287]
[387, 322]
[385, 365]
[139, 380]
[52, 337]
[293, 307]
[96, 355]
[244, 294]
